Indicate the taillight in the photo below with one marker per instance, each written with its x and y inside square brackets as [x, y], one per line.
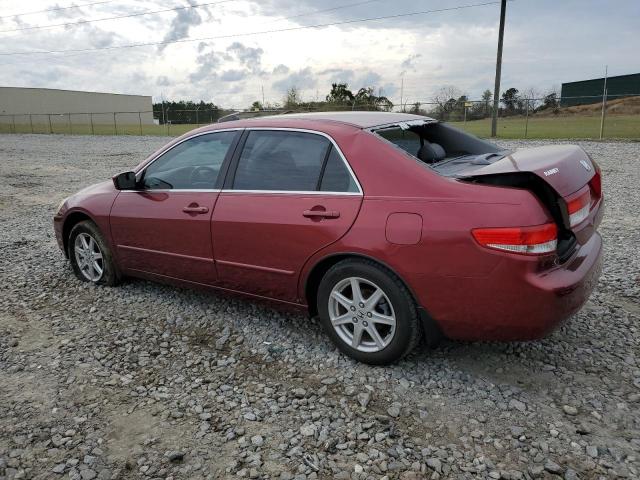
[596, 181]
[579, 208]
[537, 240]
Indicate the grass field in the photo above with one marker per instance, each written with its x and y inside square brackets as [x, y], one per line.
[616, 126]
[98, 129]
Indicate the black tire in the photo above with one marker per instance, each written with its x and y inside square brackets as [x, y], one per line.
[407, 329]
[109, 275]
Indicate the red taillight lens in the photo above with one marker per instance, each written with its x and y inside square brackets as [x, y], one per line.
[579, 208]
[537, 240]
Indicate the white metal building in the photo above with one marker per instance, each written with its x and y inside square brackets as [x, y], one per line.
[40, 105]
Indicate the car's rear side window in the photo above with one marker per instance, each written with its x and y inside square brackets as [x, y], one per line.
[336, 177]
[281, 161]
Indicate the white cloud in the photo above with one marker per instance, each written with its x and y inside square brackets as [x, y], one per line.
[546, 42]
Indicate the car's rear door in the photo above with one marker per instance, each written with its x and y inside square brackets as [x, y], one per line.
[288, 194]
[164, 226]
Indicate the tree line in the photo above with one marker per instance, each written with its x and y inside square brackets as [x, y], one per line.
[448, 103]
[186, 111]
[340, 97]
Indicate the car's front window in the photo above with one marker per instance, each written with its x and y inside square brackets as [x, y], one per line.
[191, 165]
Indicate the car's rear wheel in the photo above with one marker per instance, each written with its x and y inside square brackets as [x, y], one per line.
[368, 312]
[90, 256]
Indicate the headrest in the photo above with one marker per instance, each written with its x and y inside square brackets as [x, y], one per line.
[431, 152]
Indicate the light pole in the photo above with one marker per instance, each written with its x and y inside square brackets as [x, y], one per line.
[496, 90]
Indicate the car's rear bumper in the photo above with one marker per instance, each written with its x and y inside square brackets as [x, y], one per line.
[518, 300]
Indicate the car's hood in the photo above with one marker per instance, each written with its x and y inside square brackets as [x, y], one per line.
[102, 187]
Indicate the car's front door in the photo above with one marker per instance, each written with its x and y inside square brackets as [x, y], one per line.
[164, 226]
[287, 195]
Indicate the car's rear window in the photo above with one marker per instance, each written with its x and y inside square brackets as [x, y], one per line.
[405, 139]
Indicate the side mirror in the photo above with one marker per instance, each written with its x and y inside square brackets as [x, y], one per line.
[125, 181]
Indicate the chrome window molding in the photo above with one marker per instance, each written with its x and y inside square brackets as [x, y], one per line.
[312, 192]
[230, 190]
[295, 192]
[177, 190]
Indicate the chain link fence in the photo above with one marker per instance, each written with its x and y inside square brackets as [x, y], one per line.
[594, 117]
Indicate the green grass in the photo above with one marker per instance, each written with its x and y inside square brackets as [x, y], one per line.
[98, 129]
[616, 126]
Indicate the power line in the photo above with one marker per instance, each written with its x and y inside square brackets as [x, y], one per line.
[262, 32]
[104, 19]
[83, 22]
[313, 12]
[326, 10]
[56, 9]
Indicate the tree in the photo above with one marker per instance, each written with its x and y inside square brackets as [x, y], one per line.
[366, 99]
[292, 98]
[184, 111]
[550, 102]
[481, 109]
[256, 106]
[340, 94]
[415, 108]
[487, 95]
[445, 100]
[511, 99]
[532, 96]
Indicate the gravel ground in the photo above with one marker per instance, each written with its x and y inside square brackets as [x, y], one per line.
[150, 381]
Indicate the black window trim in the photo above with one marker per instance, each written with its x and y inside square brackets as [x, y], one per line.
[233, 166]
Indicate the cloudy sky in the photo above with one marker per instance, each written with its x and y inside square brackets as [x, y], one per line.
[230, 51]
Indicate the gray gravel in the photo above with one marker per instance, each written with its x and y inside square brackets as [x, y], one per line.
[149, 381]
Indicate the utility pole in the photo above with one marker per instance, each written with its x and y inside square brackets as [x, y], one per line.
[162, 99]
[604, 101]
[262, 88]
[496, 90]
[402, 91]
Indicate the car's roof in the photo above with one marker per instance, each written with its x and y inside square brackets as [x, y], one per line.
[356, 119]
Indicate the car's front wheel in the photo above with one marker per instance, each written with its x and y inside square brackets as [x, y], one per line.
[90, 256]
[368, 312]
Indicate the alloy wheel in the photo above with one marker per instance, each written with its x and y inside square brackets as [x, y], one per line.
[89, 257]
[362, 315]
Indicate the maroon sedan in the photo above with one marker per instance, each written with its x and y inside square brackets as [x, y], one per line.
[390, 227]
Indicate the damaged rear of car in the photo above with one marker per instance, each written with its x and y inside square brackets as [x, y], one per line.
[546, 267]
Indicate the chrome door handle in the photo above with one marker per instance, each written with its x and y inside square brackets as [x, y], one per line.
[321, 213]
[191, 209]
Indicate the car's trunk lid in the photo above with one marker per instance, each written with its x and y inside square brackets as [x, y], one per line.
[554, 174]
[566, 168]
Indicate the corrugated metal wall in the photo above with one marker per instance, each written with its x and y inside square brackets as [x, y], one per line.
[15, 101]
[620, 85]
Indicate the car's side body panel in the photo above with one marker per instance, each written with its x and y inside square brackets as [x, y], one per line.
[261, 240]
[153, 234]
[95, 202]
